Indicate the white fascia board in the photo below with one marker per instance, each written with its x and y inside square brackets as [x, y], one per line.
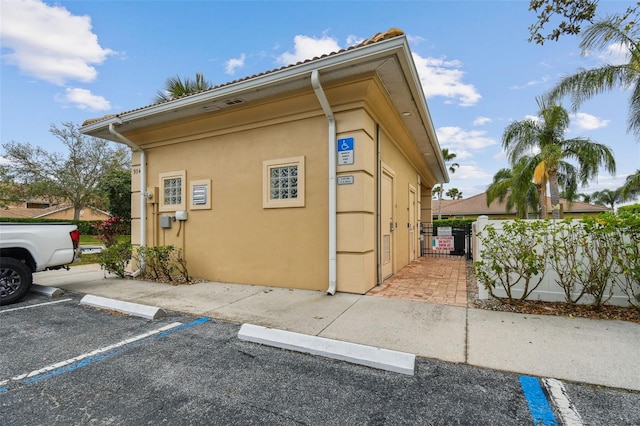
[338, 60]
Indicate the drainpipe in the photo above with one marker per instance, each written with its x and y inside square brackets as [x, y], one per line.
[379, 204]
[143, 186]
[315, 83]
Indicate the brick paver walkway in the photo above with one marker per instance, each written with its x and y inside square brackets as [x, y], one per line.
[429, 279]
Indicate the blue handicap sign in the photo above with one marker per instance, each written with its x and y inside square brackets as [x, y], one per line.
[345, 144]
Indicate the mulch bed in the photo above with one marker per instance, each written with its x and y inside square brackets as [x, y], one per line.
[534, 307]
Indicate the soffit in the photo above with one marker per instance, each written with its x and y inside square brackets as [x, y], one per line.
[389, 58]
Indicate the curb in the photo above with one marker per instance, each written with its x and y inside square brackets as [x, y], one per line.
[144, 311]
[384, 359]
[46, 290]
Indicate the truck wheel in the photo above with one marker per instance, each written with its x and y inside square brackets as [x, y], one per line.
[15, 280]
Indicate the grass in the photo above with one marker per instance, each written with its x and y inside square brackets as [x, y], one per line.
[88, 259]
[94, 240]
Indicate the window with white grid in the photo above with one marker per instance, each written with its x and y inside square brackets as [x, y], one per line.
[283, 183]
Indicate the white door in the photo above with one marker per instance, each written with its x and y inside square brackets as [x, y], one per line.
[412, 223]
[387, 224]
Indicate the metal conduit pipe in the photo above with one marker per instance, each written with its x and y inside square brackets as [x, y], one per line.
[333, 235]
[143, 186]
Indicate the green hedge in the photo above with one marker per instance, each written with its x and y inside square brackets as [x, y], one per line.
[454, 223]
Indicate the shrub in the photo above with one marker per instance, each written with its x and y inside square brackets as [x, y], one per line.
[115, 258]
[513, 256]
[627, 257]
[109, 230]
[163, 263]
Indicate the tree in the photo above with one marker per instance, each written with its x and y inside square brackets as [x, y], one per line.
[545, 134]
[607, 198]
[631, 188]
[572, 13]
[116, 184]
[587, 83]
[437, 191]
[174, 87]
[514, 188]
[454, 194]
[448, 158]
[73, 178]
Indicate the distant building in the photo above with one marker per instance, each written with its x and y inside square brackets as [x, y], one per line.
[43, 209]
[472, 207]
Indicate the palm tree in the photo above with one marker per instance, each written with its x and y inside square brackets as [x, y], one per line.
[587, 83]
[544, 135]
[175, 88]
[631, 187]
[447, 157]
[514, 188]
[454, 194]
[437, 191]
[607, 198]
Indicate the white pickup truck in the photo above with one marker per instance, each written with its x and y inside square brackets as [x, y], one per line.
[26, 248]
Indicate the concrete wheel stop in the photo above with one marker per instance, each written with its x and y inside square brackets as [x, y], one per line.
[384, 359]
[144, 311]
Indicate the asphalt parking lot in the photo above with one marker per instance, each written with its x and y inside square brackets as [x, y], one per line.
[64, 363]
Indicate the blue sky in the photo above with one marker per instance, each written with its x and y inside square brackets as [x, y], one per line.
[73, 60]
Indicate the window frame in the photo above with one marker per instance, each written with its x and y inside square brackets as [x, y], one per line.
[267, 166]
[162, 206]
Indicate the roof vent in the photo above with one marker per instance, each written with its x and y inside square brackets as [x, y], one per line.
[231, 102]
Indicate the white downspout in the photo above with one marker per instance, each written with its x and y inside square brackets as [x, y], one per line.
[315, 83]
[143, 186]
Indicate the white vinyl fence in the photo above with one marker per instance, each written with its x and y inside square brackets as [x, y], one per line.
[548, 289]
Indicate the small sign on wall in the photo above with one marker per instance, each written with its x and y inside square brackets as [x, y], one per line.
[345, 151]
[346, 180]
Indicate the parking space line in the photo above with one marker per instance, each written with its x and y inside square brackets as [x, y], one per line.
[83, 360]
[566, 410]
[34, 306]
[536, 399]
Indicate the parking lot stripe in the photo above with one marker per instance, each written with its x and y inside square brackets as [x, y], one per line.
[74, 363]
[536, 399]
[566, 410]
[34, 306]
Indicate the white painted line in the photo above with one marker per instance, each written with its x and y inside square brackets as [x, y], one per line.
[144, 311]
[33, 306]
[568, 413]
[398, 362]
[46, 290]
[69, 361]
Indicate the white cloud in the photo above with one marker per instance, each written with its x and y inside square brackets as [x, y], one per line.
[84, 99]
[232, 64]
[306, 47]
[543, 80]
[444, 78]
[469, 172]
[353, 40]
[50, 43]
[458, 139]
[586, 121]
[615, 54]
[481, 121]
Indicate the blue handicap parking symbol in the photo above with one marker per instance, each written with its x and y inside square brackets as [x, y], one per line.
[345, 144]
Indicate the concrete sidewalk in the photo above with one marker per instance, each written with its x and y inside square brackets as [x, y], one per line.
[590, 351]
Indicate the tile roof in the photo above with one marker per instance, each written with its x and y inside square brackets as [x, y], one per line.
[391, 33]
[477, 205]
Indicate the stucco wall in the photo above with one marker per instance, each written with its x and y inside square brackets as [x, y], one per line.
[240, 241]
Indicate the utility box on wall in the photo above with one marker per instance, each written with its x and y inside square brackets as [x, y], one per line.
[165, 221]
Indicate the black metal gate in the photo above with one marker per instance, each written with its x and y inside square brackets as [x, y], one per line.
[446, 241]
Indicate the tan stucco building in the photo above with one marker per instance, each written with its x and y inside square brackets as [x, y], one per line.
[311, 176]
